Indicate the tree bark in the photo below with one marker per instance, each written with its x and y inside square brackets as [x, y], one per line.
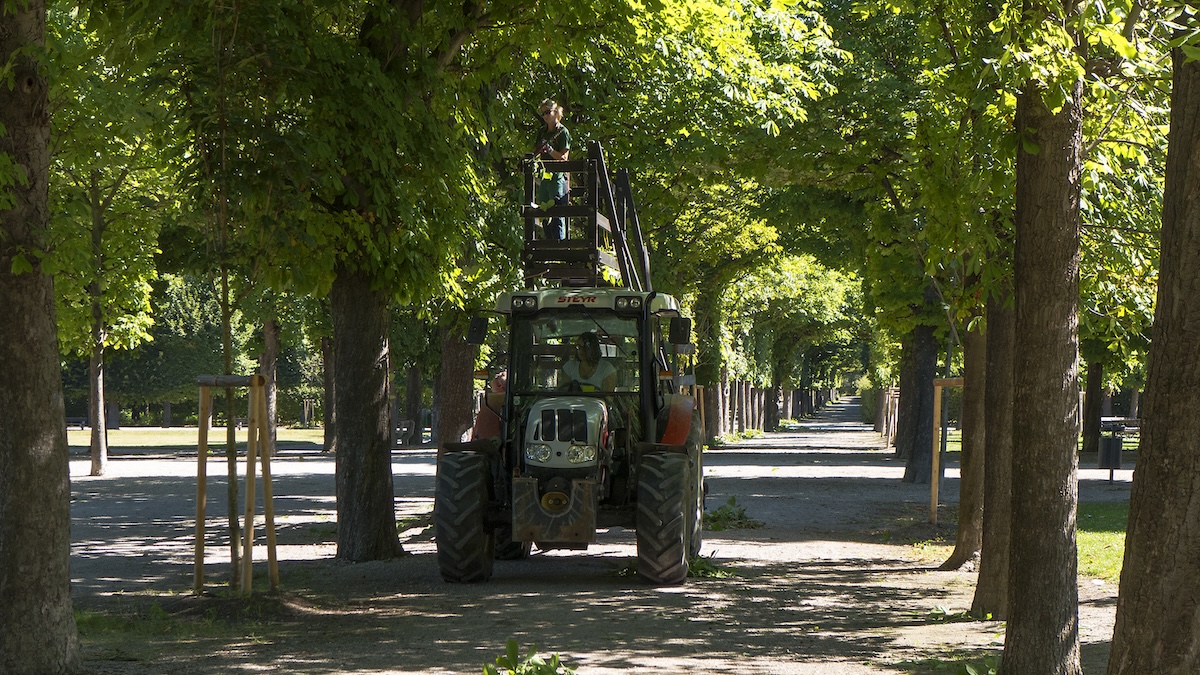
[455, 382]
[916, 405]
[327, 410]
[1158, 611]
[267, 364]
[366, 513]
[37, 622]
[1042, 634]
[709, 365]
[724, 405]
[412, 398]
[1092, 399]
[969, 540]
[991, 590]
[99, 438]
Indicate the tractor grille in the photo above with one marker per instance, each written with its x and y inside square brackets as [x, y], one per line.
[562, 424]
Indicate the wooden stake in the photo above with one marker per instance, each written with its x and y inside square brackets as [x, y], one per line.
[937, 446]
[201, 486]
[935, 478]
[247, 581]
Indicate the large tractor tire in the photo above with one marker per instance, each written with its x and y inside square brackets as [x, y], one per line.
[695, 513]
[664, 498]
[465, 543]
[695, 506]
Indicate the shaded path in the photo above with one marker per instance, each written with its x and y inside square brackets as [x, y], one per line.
[824, 587]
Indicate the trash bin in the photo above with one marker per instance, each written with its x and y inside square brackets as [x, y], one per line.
[1110, 452]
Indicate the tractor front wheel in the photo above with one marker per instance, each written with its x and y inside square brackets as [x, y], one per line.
[465, 543]
[662, 522]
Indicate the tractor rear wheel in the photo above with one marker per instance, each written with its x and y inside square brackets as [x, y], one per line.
[662, 519]
[465, 543]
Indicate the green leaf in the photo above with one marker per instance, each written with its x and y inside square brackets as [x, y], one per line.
[21, 265]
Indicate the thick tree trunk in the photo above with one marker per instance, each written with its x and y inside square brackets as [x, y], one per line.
[328, 412]
[112, 419]
[709, 366]
[412, 398]
[1093, 397]
[969, 540]
[37, 623]
[1158, 612]
[366, 513]
[1042, 634]
[774, 406]
[991, 590]
[455, 383]
[916, 405]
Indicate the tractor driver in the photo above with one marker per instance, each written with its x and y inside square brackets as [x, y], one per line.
[586, 368]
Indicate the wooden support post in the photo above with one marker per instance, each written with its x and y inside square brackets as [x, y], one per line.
[258, 443]
[247, 578]
[201, 486]
[935, 477]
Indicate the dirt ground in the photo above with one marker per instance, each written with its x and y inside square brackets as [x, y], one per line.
[830, 584]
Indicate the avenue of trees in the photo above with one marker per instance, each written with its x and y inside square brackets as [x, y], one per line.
[883, 190]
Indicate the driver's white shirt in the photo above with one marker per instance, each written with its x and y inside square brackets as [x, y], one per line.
[603, 370]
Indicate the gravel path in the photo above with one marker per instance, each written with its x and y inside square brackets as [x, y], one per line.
[829, 585]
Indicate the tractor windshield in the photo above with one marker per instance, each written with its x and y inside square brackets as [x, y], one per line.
[575, 350]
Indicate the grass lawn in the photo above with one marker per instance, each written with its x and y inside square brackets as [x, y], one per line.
[1101, 539]
[177, 439]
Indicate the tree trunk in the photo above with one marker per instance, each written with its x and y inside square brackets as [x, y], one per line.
[412, 399]
[37, 622]
[112, 419]
[328, 412]
[1042, 635]
[1158, 622]
[99, 437]
[723, 406]
[366, 513]
[710, 370]
[1092, 399]
[969, 540]
[267, 365]
[455, 383]
[916, 405]
[991, 590]
[1134, 403]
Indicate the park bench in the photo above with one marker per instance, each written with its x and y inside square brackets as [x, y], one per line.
[1116, 425]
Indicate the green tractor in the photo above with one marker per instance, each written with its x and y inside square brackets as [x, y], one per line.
[595, 425]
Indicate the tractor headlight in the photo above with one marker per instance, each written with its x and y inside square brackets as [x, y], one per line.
[537, 452]
[580, 454]
[524, 303]
[628, 303]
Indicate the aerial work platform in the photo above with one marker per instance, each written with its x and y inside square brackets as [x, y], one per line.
[600, 216]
